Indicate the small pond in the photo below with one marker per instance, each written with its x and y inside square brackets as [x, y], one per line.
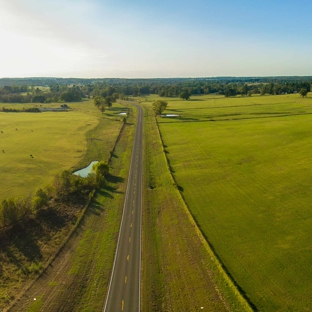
[85, 171]
[170, 115]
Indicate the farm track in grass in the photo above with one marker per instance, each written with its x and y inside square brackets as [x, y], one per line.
[248, 184]
[180, 273]
[77, 279]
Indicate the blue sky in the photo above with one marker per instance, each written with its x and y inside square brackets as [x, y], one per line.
[78, 38]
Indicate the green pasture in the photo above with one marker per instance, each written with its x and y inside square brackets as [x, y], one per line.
[34, 147]
[179, 271]
[247, 183]
[216, 107]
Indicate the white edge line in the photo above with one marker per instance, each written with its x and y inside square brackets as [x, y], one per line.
[141, 211]
[121, 224]
[142, 132]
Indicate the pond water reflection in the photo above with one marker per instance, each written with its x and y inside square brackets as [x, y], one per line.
[85, 171]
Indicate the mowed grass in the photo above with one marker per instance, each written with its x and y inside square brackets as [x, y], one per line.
[34, 147]
[247, 182]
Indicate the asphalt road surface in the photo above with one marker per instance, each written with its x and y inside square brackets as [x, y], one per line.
[124, 288]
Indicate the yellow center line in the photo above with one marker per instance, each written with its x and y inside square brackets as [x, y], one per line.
[132, 211]
[122, 305]
[131, 225]
[128, 257]
[125, 279]
[129, 239]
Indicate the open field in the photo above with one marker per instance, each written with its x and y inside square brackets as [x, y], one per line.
[180, 273]
[34, 147]
[246, 178]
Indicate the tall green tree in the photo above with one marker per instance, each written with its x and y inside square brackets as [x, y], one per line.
[303, 92]
[159, 106]
[101, 170]
[185, 95]
[9, 212]
[40, 199]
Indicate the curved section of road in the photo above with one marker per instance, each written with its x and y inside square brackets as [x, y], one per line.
[124, 288]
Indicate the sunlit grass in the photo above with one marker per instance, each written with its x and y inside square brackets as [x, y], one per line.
[247, 183]
[180, 273]
[34, 147]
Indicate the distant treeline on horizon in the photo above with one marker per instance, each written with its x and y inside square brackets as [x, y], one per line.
[46, 81]
[25, 90]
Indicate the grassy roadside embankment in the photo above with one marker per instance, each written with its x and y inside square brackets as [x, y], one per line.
[180, 273]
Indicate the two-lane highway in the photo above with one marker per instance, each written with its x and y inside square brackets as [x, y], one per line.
[124, 288]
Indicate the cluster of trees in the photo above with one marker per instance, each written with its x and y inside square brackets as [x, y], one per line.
[65, 188]
[264, 88]
[15, 98]
[58, 94]
[36, 95]
[8, 89]
[159, 106]
[101, 102]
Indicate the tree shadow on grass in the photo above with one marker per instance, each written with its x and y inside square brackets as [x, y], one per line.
[113, 155]
[180, 188]
[96, 208]
[174, 110]
[52, 218]
[114, 179]
[27, 244]
[188, 119]
[119, 109]
[20, 244]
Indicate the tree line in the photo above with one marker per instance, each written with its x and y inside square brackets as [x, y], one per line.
[36, 95]
[71, 89]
